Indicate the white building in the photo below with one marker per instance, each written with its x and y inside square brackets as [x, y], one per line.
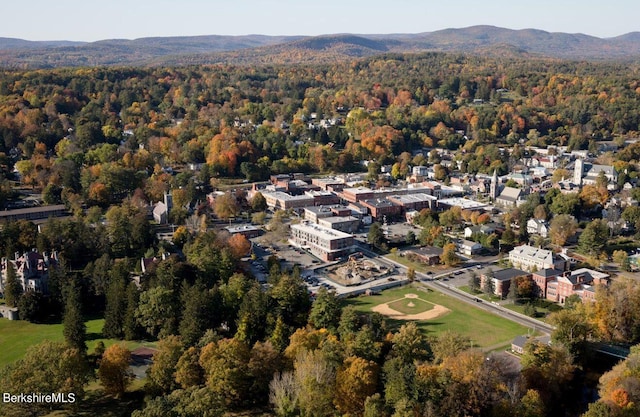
[529, 258]
[326, 244]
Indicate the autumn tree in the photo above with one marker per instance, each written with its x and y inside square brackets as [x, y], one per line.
[561, 228]
[226, 206]
[114, 370]
[449, 256]
[162, 371]
[45, 368]
[355, 381]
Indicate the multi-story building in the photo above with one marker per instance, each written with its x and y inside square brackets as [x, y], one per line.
[581, 282]
[283, 201]
[326, 244]
[347, 224]
[32, 270]
[353, 195]
[502, 280]
[530, 258]
[415, 202]
[380, 208]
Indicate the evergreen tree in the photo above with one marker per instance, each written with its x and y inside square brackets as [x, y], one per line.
[196, 307]
[75, 331]
[13, 287]
[131, 328]
[114, 315]
[325, 312]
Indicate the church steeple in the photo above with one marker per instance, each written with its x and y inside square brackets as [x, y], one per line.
[493, 189]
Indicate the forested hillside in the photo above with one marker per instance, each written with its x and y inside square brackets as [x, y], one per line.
[107, 141]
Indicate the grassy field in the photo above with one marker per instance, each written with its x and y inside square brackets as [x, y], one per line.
[410, 306]
[483, 328]
[17, 336]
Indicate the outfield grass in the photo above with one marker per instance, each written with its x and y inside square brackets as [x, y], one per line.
[16, 336]
[410, 306]
[483, 328]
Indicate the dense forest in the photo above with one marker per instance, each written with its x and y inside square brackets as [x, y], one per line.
[107, 141]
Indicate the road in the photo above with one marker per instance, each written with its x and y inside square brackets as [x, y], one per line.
[433, 283]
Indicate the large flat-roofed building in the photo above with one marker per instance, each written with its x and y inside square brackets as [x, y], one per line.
[463, 203]
[314, 214]
[247, 230]
[347, 224]
[283, 201]
[502, 279]
[379, 208]
[326, 244]
[530, 258]
[415, 202]
[353, 195]
[322, 198]
[34, 213]
[329, 184]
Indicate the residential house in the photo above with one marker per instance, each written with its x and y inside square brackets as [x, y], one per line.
[538, 227]
[468, 247]
[479, 229]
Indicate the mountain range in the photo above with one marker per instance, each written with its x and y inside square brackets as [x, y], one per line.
[252, 49]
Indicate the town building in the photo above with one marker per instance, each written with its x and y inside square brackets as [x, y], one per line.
[347, 224]
[502, 280]
[326, 244]
[247, 230]
[415, 202]
[530, 258]
[278, 200]
[429, 255]
[34, 213]
[381, 208]
[32, 270]
[581, 282]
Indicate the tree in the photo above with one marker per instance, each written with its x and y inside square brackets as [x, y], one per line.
[594, 237]
[226, 369]
[325, 311]
[448, 344]
[315, 375]
[489, 286]
[157, 312]
[197, 310]
[411, 238]
[547, 369]
[572, 329]
[356, 380]
[48, 367]
[12, 286]
[189, 373]
[561, 228]
[113, 372]
[226, 206]
[622, 259]
[411, 274]
[474, 282]
[75, 331]
[130, 326]
[116, 303]
[376, 235]
[449, 256]
[258, 202]
[163, 369]
[409, 344]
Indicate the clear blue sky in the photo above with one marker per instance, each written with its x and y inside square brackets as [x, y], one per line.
[90, 20]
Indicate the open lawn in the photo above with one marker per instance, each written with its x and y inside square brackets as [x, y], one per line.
[483, 328]
[16, 336]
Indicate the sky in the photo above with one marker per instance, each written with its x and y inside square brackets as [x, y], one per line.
[91, 20]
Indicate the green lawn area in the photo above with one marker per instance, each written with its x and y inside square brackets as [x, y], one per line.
[411, 305]
[543, 308]
[16, 336]
[483, 328]
[482, 295]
